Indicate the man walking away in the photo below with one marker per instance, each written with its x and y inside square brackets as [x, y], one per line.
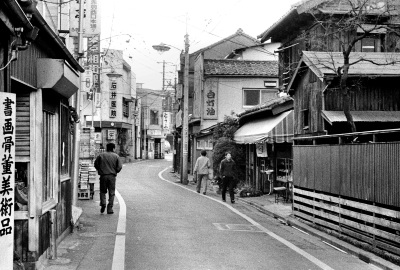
[107, 165]
[201, 168]
[228, 171]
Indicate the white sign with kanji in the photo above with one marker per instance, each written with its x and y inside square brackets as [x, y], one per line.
[210, 99]
[7, 156]
[91, 20]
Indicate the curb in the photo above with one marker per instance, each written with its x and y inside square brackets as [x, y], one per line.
[355, 251]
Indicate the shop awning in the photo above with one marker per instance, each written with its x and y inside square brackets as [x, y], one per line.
[277, 128]
[362, 116]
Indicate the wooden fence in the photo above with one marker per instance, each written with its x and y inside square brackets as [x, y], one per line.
[353, 189]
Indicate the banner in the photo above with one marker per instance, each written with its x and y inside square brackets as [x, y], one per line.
[7, 155]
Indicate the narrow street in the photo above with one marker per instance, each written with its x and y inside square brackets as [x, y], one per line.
[171, 227]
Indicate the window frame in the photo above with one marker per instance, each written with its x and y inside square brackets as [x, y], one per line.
[260, 91]
[50, 161]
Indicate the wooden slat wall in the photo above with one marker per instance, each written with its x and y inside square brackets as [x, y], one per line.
[44, 233]
[21, 239]
[378, 226]
[24, 68]
[22, 141]
[368, 172]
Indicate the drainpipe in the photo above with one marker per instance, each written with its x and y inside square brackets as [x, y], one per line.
[17, 10]
[77, 129]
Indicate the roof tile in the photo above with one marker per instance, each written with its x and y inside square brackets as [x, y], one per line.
[240, 67]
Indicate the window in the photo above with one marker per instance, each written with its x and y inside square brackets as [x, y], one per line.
[48, 158]
[204, 144]
[125, 108]
[254, 97]
[65, 155]
[305, 114]
[153, 117]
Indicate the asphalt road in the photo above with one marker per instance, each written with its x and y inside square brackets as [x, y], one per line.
[171, 227]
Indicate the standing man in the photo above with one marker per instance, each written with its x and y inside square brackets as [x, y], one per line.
[108, 165]
[227, 171]
[201, 168]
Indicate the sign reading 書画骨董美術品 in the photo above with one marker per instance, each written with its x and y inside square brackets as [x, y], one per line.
[7, 155]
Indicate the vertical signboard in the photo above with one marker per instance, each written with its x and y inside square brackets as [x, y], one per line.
[93, 60]
[210, 99]
[91, 20]
[113, 99]
[166, 122]
[7, 155]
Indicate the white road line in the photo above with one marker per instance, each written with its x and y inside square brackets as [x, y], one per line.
[273, 235]
[341, 250]
[119, 247]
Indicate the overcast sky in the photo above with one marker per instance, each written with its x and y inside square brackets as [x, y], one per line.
[152, 22]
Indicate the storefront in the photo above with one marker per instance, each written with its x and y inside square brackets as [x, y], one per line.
[41, 79]
[268, 136]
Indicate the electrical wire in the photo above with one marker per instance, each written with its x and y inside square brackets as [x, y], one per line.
[9, 62]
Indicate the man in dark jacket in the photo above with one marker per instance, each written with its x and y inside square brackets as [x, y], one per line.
[228, 171]
[108, 165]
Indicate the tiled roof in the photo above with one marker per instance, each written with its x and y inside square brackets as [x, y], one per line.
[240, 67]
[370, 63]
[269, 105]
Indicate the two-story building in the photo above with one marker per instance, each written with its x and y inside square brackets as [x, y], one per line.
[219, 50]
[154, 125]
[113, 115]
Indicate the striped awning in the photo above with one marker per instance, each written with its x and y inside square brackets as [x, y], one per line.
[278, 129]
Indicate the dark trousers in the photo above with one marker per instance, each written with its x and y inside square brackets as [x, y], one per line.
[107, 182]
[228, 181]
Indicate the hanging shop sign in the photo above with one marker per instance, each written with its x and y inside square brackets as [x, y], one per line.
[7, 154]
[111, 134]
[166, 121]
[261, 149]
[210, 99]
[91, 18]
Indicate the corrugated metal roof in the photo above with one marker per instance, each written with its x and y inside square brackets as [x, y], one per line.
[370, 63]
[362, 116]
[240, 67]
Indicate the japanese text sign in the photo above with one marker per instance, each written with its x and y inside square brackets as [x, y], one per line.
[210, 99]
[166, 121]
[91, 20]
[7, 156]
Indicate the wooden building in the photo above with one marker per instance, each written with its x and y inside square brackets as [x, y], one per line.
[312, 25]
[267, 132]
[375, 99]
[345, 183]
[43, 75]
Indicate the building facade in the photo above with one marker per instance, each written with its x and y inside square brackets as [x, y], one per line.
[115, 110]
[42, 75]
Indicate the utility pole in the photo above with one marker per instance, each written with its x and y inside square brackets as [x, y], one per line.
[185, 124]
[77, 130]
[163, 74]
